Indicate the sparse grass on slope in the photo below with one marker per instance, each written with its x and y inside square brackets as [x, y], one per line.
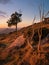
[27, 53]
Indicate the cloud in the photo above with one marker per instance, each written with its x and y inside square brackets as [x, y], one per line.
[4, 1]
[3, 14]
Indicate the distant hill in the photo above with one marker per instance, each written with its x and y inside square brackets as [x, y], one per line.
[6, 30]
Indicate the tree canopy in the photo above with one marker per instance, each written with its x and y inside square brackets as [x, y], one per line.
[15, 19]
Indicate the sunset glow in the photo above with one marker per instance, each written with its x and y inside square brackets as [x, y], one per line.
[29, 9]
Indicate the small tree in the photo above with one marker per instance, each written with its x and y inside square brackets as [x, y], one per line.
[15, 19]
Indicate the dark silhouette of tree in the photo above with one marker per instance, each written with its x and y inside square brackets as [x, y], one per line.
[15, 19]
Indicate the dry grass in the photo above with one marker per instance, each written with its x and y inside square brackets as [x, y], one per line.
[28, 53]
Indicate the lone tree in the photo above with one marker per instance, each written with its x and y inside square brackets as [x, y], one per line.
[15, 19]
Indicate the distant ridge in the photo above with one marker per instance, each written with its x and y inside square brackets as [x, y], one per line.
[6, 30]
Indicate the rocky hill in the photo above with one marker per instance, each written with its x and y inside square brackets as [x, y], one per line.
[29, 46]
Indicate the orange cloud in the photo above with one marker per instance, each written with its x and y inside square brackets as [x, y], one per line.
[3, 23]
[24, 23]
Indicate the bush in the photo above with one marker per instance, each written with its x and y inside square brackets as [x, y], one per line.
[40, 62]
[29, 33]
[2, 45]
[45, 32]
[47, 56]
[35, 37]
[25, 63]
[9, 59]
[2, 62]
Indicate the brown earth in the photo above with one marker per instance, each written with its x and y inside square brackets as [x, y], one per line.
[21, 48]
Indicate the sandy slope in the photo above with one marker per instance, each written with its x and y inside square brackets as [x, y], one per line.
[18, 42]
[27, 51]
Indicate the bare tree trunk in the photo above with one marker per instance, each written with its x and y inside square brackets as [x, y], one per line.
[39, 44]
[16, 27]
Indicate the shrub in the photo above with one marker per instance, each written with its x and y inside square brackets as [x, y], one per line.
[25, 63]
[47, 56]
[35, 37]
[2, 45]
[45, 32]
[40, 62]
[29, 33]
[9, 58]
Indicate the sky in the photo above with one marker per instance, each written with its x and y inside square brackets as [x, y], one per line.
[28, 8]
